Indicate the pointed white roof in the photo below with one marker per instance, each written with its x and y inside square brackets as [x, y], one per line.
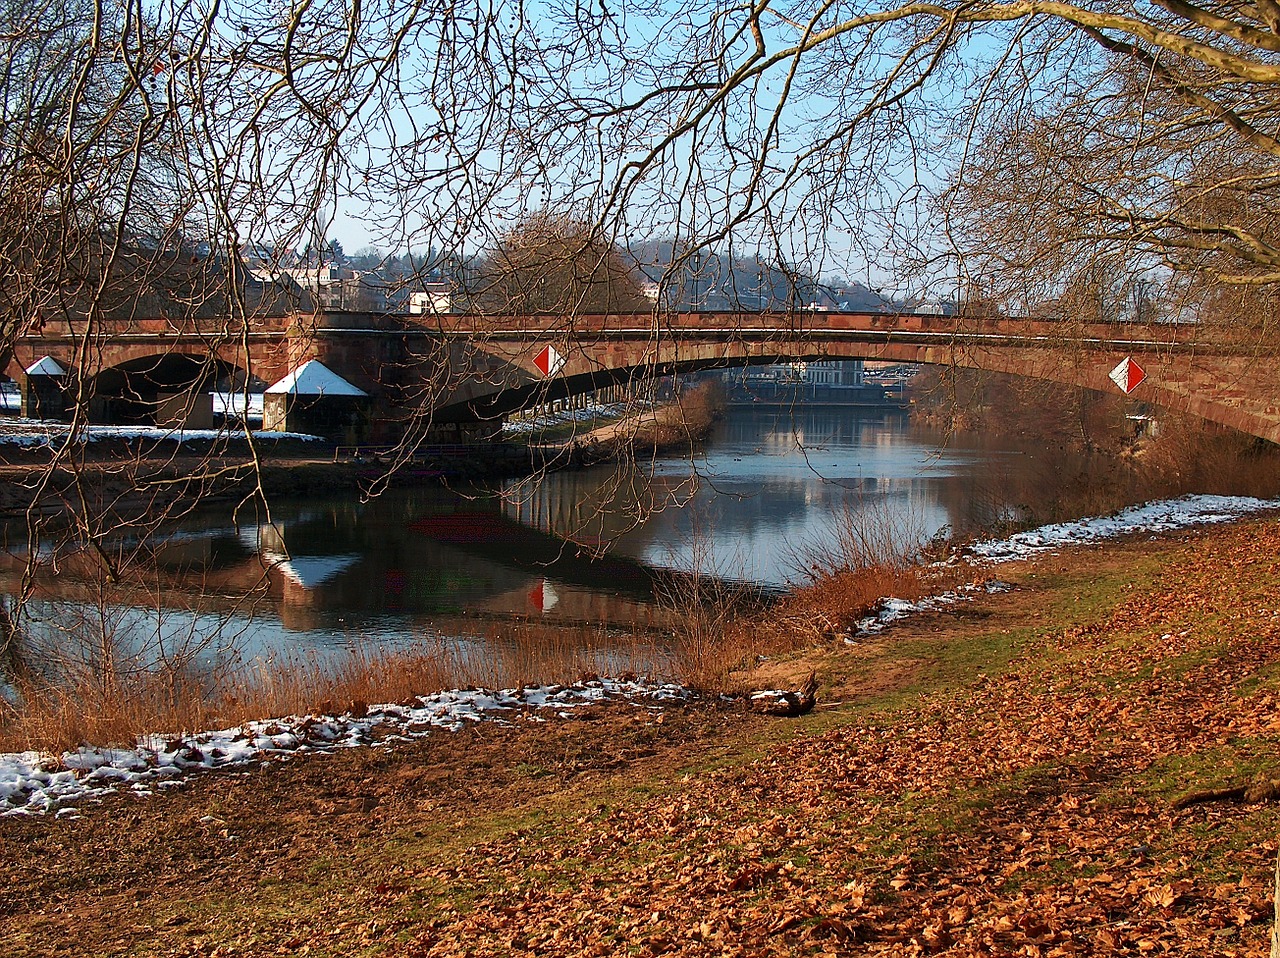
[314, 378]
[46, 366]
[311, 572]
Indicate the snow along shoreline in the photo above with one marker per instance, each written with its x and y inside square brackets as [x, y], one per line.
[34, 783]
[1163, 515]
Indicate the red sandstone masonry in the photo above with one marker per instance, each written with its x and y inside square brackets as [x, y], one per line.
[1219, 374]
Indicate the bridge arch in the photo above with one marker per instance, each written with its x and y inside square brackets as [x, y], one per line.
[170, 388]
[1209, 373]
[502, 401]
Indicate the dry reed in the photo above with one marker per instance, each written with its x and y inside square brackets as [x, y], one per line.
[871, 553]
[117, 708]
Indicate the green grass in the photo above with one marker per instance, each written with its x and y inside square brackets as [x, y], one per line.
[1213, 768]
[529, 770]
[919, 825]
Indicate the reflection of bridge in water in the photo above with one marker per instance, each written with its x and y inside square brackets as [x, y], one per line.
[350, 567]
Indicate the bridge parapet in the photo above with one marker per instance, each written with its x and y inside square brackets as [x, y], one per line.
[507, 325]
[457, 365]
[825, 323]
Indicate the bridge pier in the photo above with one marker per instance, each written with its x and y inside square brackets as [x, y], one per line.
[184, 410]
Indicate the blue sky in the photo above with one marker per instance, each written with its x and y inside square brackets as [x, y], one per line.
[480, 179]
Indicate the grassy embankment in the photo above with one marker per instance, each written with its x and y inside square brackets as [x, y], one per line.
[1000, 780]
[680, 425]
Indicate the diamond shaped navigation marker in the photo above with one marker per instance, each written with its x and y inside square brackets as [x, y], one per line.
[1127, 375]
[549, 361]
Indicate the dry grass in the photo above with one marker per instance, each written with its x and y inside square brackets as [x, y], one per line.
[719, 641]
[719, 634]
[874, 553]
[116, 709]
[722, 636]
[709, 634]
[834, 604]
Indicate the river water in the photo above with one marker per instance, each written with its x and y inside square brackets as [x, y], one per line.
[770, 487]
[598, 546]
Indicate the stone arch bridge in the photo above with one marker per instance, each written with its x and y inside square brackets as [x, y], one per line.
[459, 368]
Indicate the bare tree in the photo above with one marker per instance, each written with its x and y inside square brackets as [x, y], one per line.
[1035, 151]
[872, 133]
[87, 164]
[1152, 161]
[554, 264]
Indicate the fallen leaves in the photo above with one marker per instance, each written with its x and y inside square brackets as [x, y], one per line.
[1025, 814]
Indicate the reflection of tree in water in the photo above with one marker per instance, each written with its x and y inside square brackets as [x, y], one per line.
[1042, 484]
[770, 483]
[12, 661]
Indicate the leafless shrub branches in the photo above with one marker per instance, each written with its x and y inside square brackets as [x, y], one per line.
[173, 167]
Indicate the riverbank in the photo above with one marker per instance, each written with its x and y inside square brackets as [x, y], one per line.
[677, 427]
[154, 471]
[1091, 452]
[999, 777]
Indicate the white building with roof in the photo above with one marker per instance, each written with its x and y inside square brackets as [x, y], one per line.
[313, 399]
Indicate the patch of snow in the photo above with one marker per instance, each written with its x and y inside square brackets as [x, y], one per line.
[235, 404]
[34, 783]
[889, 609]
[547, 420]
[1161, 516]
[31, 432]
[314, 378]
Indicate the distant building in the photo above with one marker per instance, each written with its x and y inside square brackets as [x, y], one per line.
[832, 372]
[43, 393]
[331, 286]
[433, 298]
[826, 381]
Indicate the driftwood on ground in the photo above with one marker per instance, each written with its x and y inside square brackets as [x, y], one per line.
[787, 704]
[1264, 788]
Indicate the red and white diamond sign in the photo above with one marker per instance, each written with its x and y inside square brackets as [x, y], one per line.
[1128, 375]
[549, 361]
